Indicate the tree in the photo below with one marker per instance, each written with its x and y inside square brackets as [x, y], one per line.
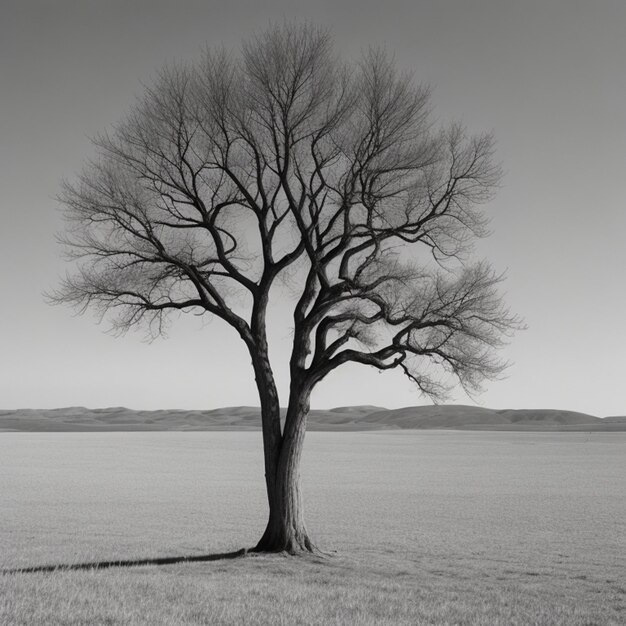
[239, 173]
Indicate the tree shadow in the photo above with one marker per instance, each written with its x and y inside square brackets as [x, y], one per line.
[170, 560]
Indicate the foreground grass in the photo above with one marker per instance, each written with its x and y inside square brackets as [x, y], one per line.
[431, 528]
[366, 588]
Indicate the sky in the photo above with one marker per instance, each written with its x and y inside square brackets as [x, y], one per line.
[546, 76]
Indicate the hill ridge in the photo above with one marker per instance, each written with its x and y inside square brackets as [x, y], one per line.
[346, 418]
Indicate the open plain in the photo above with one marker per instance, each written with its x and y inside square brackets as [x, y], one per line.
[421, 527]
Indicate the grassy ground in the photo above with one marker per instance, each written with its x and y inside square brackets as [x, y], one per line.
[429, 528]
[364, 588]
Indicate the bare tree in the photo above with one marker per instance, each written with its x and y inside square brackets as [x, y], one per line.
[239, 170]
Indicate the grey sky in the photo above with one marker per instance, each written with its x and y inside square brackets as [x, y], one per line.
[547, 76]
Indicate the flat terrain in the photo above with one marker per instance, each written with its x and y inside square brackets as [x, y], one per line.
[348, 418]
[423, 527]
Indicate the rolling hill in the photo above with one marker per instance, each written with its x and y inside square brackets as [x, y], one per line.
[455, 417]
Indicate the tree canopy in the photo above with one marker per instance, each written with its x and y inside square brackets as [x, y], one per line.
[284, 162]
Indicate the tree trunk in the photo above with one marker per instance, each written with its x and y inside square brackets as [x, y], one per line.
[286, 531]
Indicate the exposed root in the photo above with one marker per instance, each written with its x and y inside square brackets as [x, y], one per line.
[293, 546]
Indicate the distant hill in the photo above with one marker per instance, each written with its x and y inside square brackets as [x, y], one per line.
[349, 418]
[620, 419]
[462, 417]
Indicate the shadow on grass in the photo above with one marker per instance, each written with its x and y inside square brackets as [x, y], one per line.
[169, 560]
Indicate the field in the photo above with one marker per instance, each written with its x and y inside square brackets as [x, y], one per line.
[422, 527]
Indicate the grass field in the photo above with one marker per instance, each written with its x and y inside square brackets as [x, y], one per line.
[423, 527]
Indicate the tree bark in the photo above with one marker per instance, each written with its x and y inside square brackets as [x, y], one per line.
[286, 530]
[270, 416]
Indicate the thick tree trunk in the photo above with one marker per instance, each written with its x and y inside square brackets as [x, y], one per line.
[286, 531]
[270, 417]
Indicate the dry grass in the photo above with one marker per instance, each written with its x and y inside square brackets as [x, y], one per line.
[429, 528]
[360, 589]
